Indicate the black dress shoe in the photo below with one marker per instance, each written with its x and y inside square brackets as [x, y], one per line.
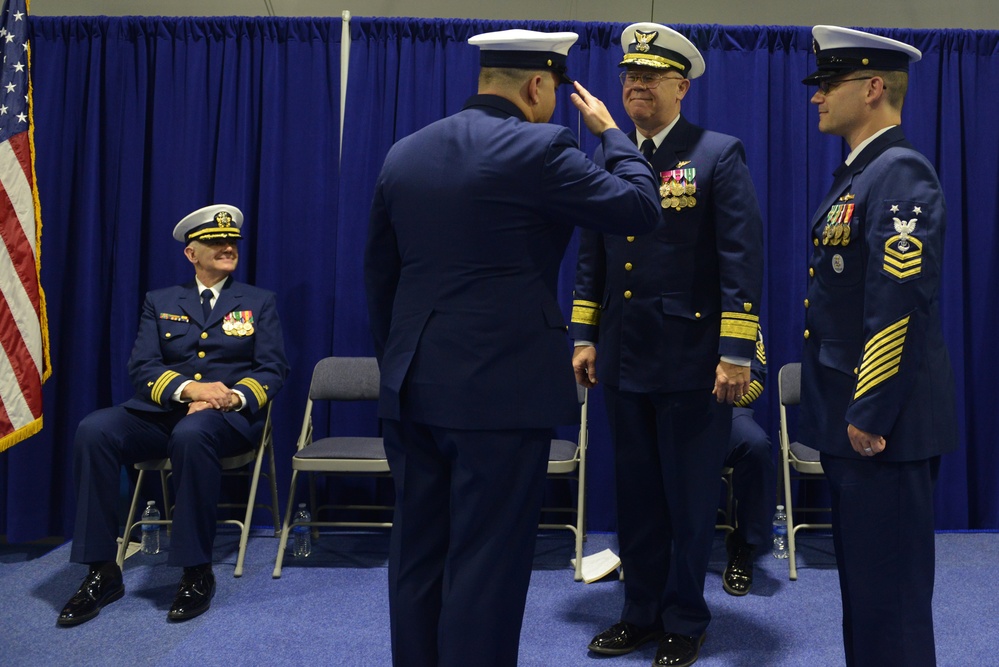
[623, 637]
[101, 587]
[738, 576]
[194, 595]
[678, 650]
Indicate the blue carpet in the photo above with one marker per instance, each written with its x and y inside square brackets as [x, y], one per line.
[333, 609]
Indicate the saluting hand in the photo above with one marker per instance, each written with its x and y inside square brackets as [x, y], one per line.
[598, 120]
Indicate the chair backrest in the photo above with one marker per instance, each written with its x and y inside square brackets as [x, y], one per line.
[789, 383]
[345, 379]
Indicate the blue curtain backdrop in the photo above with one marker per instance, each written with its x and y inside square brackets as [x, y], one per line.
[139, 121]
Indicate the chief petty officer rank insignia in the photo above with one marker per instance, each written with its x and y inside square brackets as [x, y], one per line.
[837, 230]
[238, 323]
[903, 258]
[678, 188]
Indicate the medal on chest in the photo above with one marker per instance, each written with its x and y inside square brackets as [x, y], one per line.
[238, 323]
[678, 188]
[837, 229]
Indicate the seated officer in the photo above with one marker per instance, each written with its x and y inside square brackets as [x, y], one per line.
[752, 466]
[208, 357]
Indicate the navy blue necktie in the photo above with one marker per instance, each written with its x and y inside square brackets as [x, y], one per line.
[648, 148]
[206, 304]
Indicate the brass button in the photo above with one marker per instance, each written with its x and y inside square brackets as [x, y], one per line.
[204, 334]
[201, 355]
[806, 303]
[856, 372]
[815, 241]
[197, 376]
[806, 334]
[697, 316]
[627, 294]
[811, 272]
[628, 266]
[629, 238]
[167, 334]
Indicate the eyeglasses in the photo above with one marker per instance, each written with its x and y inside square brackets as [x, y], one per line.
[825, 87]
[647, 79]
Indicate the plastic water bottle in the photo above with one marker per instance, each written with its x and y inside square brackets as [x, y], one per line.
[302, 545]
[151, 531]
[780, 533]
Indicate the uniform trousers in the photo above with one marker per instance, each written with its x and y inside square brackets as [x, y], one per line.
[116, 436]
[882, 517]
[466, 519]
[753, 478]
[668, 454]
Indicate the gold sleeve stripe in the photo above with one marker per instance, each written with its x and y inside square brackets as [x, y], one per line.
[900, 274]
[753, 393]
[761, 353]
[161, 384]
[875, 381]
[585, 312]
[882, 356]
[740, 325]
[875, 341]
[903, 265]
[256, 388]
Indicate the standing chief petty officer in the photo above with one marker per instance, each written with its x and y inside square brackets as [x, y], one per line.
[470, 219]
[208, 357]
[877, 390]
[674, 314]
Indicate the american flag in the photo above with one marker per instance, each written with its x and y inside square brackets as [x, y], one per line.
[24, 349]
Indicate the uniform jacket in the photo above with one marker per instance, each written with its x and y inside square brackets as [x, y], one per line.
[469, 223]
[175, 345]
[664, 306]
[874, 354]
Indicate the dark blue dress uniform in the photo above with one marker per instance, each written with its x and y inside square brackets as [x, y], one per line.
[176, 344]
[751, 460]
[874, 356]
[470, 220]
[662, 308]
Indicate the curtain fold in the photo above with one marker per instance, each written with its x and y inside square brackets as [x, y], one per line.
[141, 120]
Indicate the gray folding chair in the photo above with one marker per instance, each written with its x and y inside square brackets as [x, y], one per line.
[796, 457]
[336, 379]
[238, 465]
[567, 460]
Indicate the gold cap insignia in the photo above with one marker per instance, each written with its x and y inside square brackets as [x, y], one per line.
[223, 219]
[644, 39]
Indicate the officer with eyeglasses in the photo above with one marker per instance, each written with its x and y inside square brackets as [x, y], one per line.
[877, 390]
[674, 316]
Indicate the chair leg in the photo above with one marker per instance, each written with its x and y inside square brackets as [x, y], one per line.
[284, 528]
[244, 532]
[580, 531]
[791, 561]
[275, 508]
[312, 506]
[123, 541]
[165, 483]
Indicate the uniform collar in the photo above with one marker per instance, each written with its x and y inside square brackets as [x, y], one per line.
[495, 102]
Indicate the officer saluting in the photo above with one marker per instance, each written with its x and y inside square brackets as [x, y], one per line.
[470, 219]
[877, 389]
[208, 357]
